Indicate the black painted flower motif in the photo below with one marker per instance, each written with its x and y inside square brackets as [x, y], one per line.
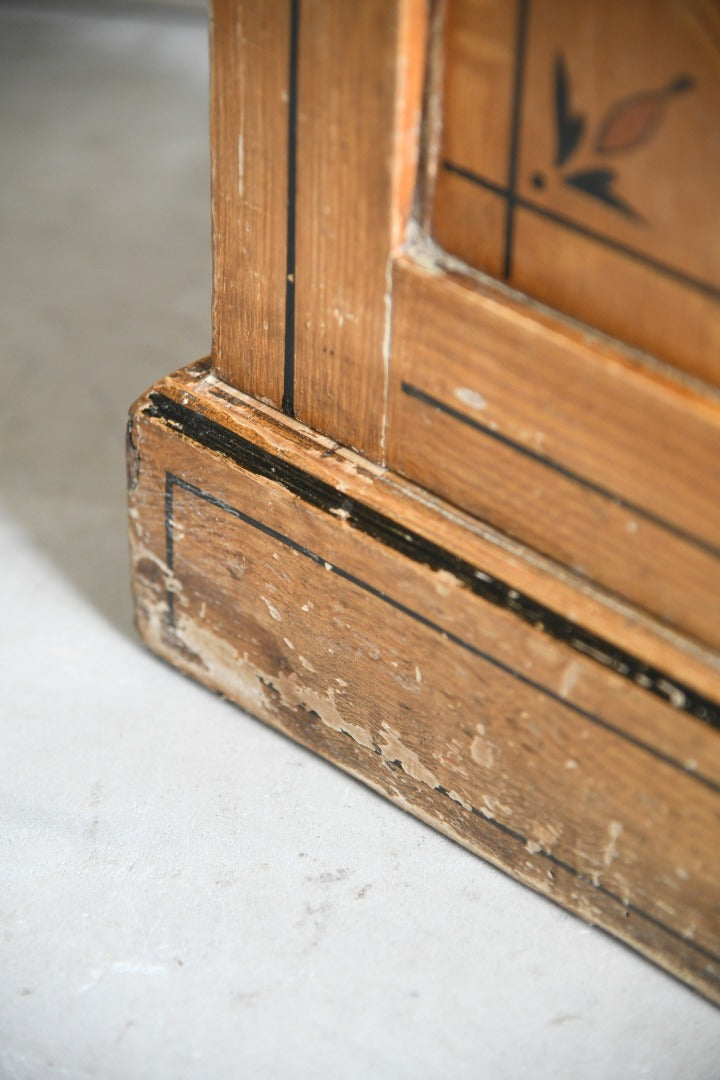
[628, 124]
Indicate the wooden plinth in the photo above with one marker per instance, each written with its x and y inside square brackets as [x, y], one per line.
[561, 736]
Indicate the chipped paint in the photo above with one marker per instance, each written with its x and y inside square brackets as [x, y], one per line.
[341, 317]
[471, 398]
[413, 750]
[675, 695]
[544, 837]
[272, 609]
[482, 751]
[570, 677]
[386, 353]
[394, 749]
[459, 800]
[445, 583]
[610, 853]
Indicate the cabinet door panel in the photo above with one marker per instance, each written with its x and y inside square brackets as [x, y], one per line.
[558, 442]
[579, 162]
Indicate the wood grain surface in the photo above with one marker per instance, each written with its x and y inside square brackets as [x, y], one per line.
[531, 720]
[250, 59]
[360, 93]
[316, 110]
[579, 162]
[560, 442]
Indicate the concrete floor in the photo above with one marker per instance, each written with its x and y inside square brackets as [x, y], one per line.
[183, 892]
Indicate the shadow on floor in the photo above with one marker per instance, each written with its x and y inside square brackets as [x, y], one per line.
[105, 271]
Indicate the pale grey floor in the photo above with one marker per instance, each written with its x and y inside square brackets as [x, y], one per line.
[183, 892]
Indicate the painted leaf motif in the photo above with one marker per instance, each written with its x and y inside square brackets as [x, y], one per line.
[569, 127]
[634, 119]
[598, 183]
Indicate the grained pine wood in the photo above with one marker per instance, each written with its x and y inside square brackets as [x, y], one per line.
[250, 46]
[360, 93]
[639, 258]
[312, 589]
[530, 666]
[559, 441]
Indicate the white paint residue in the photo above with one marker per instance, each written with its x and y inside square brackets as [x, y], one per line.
[444, 582]
[459, 800]
[569, 678]
[610, 854]
[272, 609]
[676, 696]
[394, 749]
[341, 316]
[358, 735]
[544, 839]
[481, 749]
[386, 352]
[224, 668]
[470, 397]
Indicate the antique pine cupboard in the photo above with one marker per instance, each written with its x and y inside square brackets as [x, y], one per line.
[443, 502]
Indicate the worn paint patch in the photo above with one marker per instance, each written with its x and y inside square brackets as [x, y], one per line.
[610, 853]
[445, 583]
[394, 749]
[471, 398]
[570, 677]
[482, 750]
[544, 838]
[272, 609]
